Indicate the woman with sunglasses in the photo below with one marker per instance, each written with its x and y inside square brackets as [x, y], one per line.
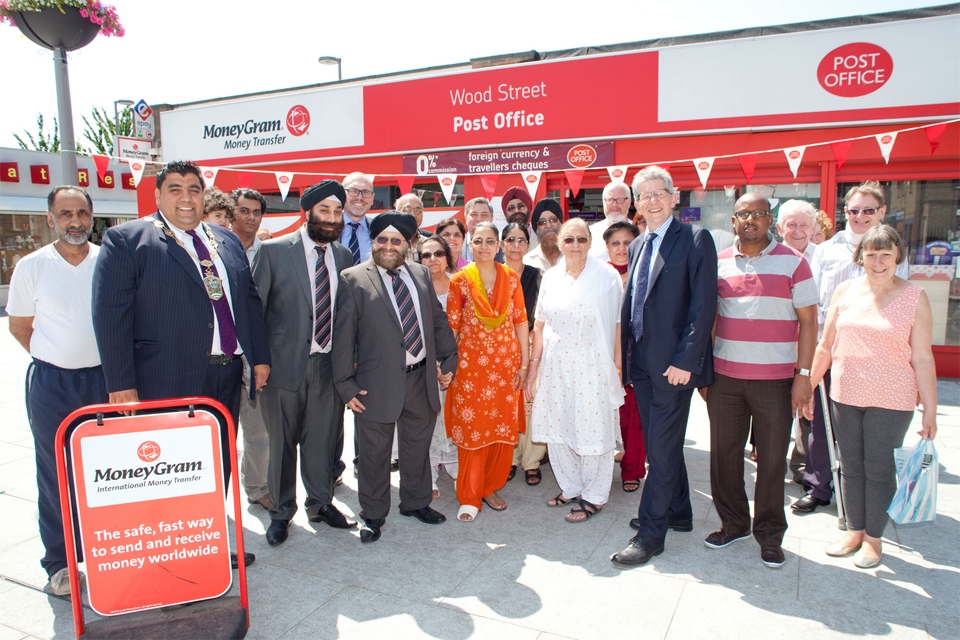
[576, 352]
[453, 231]
[516, 240]
[484, 409]
[436, 256]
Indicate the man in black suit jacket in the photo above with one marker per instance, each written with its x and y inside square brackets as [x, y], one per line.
[174, 304]
[667, 315]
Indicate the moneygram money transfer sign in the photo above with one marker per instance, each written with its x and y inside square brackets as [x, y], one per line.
[153, 521]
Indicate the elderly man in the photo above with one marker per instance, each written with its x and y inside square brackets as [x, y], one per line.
[616, 208]
[49, 309]
[393, 346]
[864, 206]
[412, 204]
[175, 305]
[767, 307]
[547, 218]
[668, 311]
[476, 210]
[356, 230]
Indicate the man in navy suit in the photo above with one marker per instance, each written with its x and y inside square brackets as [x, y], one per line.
[667, 316]
[175, 305]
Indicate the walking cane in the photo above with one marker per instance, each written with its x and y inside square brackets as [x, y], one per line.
[834, 459]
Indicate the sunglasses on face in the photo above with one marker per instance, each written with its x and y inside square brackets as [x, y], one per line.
[395, 242]
[516, 240]
[867, 211]
[426, 255]
[514, 208]
[745, 215]
[483, 241]
[543, 222]
[578, 240]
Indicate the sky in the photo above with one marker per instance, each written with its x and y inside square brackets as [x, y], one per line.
[179, 51]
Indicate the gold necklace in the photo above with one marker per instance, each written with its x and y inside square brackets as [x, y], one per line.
[211, 282]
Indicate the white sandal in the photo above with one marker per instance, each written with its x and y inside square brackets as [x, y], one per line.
[467, 510]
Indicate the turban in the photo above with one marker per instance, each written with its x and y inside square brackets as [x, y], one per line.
[405, 223]
[320, 192]
[547, 204]
[517, 193]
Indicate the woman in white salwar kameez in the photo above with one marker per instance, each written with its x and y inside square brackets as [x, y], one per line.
[576, 345]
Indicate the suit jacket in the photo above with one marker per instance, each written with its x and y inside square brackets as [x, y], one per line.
[151, 314]
[286, 288]
[368, 334]
[680, 307]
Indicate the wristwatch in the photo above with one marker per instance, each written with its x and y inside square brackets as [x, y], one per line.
[803, 372]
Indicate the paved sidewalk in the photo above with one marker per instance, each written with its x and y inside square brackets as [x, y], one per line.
[525, 573]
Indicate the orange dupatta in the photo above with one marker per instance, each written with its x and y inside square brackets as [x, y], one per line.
[490, 314]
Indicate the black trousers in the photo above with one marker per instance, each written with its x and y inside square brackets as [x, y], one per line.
[222, 383]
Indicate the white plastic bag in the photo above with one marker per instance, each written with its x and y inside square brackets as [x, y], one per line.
[917, 474]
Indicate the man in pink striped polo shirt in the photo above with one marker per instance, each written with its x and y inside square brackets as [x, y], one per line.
[765, 336]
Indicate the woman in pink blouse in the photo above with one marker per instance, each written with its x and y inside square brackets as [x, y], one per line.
[877, 337]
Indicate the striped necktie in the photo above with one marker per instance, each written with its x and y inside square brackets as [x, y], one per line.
[412, 340]
[640, 292]
[322, 308]
[355, 242]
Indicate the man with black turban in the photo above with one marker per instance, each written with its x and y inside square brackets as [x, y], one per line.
[297, 276]
[394, 345]
[546, 220]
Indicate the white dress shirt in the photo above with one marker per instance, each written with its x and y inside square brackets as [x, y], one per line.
[252, 251]
[407, 280]
[657, 241]
[310, 253]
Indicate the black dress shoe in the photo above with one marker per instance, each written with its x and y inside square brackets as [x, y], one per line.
[426, 515]
[394, 465]
[681, 526]
[638, 552]
[332, 516]
[248, 559]
[370, 531]
[277, 532]
[808, 504]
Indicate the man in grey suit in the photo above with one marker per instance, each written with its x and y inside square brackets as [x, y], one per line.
[297, 276]
[393, 346]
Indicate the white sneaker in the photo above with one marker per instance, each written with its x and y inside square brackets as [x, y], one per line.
[60, 582]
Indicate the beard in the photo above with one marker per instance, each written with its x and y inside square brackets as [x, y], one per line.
[548, 237]
[323, 232]
[75, 235]
[519, 218]
[396, 258]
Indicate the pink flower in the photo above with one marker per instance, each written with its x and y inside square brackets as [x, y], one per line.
[84, 13]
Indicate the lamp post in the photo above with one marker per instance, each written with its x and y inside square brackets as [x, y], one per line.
[116, 123]
[330, 60]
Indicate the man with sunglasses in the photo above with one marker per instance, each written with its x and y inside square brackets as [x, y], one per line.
[394, 350]
[547, 218]
[668, 311]
[616, 208]
[356, 230]
[864, 207]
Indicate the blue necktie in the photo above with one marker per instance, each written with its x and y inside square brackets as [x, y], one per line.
[355, 242]
[640, 292]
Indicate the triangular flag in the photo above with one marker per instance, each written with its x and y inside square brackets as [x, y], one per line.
[245, 178]
[618, 173]
[405, 183]
[840, 150]
[136, 168]
[489, 183]
[748, 163]
[420, 192]
[886, 140]
[102, 162]
[447, 182]
[436, 198]
[209, 175]
[704, 166]
[794, 158]
[574, 178]
[531, 181]
[284, 180]
[453, 200]
[933, 135]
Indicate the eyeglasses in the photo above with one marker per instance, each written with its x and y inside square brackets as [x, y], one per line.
[483, 241]
[517, 207]
[617, 200]
[578, 240]
[411, 210]
[426, 255]
[659, 194]
[395, 242]
[744, 215]
[543, 222]
[867, 211]
[449, 235]
[366, 193]
[516, 240]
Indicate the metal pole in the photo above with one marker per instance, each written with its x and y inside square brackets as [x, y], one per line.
[339, 71]
[68, 146]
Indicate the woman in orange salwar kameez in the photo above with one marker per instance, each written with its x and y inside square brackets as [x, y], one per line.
[484, 409]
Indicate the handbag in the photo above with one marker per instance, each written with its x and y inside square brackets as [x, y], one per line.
[916, 497]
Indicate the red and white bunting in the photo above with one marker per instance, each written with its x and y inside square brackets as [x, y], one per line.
[102, 163]
[531, 181]
[245, 178]
[933, 135]
[284, 180]
[794, 158]
[574, 179]
[618, 173]
[209, 175]
[840, 151]
[136, 168]
[748, 163]
[886, 140]
[405, 183]
[447, 182]
[489, 183]
[704, 166]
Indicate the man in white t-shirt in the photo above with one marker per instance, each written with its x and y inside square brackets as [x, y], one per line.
[49, 309]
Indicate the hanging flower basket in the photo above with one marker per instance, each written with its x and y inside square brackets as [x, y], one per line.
[71, 24]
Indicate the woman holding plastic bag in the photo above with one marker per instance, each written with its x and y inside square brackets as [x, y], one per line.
[877, 338]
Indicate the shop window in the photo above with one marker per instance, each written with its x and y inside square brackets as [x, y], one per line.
[20, 235]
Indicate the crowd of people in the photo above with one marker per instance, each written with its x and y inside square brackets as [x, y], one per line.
[478, 352]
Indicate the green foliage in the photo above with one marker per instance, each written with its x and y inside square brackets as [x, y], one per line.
[100, 133]
[44, 141]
